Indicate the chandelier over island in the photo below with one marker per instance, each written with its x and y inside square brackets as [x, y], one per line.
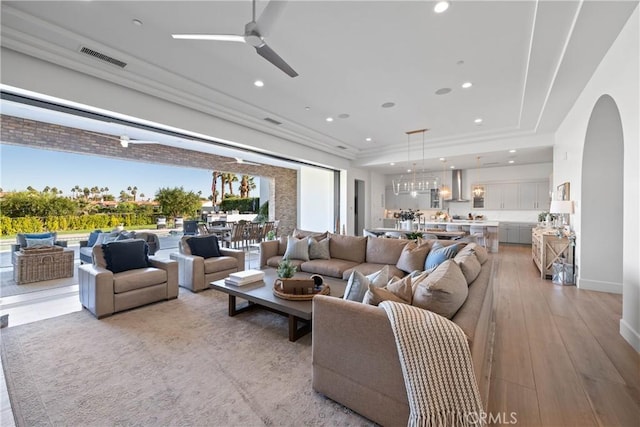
[414, 183]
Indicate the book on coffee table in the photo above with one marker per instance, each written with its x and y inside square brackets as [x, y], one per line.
[244, 277]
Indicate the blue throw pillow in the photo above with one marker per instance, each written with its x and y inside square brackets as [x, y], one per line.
[93, 238]
[439, 254]
[205, 246]
[126, 255]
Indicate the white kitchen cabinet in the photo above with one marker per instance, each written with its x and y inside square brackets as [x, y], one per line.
[391, 200]
[534, 195]
[501, 196]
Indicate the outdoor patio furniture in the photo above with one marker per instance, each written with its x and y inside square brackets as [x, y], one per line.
[21, 239]
[42, 264]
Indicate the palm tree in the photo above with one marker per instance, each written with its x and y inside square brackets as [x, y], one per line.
[134, 191]
[246, 185]
[230, 178]
[86, 192]
[46, 189]
[214, 186]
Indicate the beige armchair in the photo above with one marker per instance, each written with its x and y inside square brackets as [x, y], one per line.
[108, 285]
[196, 272]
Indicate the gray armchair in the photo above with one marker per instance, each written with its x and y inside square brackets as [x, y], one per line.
[97, 236]
[196, 272]
[108, 285]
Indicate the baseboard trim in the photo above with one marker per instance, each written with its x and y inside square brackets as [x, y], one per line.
[631, 336]
[595, 285]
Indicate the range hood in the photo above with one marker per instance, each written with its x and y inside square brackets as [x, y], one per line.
[456, 186]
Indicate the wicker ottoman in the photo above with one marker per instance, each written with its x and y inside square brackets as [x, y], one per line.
[39, 266]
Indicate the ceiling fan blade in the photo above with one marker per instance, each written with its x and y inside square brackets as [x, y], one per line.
[215, 37]
[269, 16]
[270, 55]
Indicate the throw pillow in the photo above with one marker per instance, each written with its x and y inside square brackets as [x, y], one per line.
[358, 283]
[45, 241]
[413, 256]
[104, 238]
[469, 265]
[126, 255]
[397, 291]
[93, 237]
[438, 254]
[22, 237]
[443, 291]
[204, 246]
[297, 249]
[480, 252]
[318, 249]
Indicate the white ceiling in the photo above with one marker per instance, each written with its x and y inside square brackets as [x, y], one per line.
[527, 60]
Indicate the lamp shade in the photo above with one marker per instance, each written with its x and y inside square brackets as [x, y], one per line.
[561, 207]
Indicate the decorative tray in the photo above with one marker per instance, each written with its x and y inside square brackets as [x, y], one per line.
[300, 289]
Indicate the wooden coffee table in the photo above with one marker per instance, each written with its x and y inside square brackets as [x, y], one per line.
[260, 294]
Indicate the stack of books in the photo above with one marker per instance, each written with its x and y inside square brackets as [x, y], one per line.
[246, 277]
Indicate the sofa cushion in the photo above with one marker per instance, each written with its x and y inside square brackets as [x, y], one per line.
[297, 249]
[126, 255]
[137, 279]
[104, 238]
[302, 234]
[358, 283]
[204, 246]
[35, 242]
[469, 264]
[327, 267]
[221, 263]
[318, 249]
[349, 248]
[413, 256]
[367, 268]
[384, 251]
[21, 237]
[443, 291]
[398, 291]
[481, 253]
[438, 254]
[93, 237]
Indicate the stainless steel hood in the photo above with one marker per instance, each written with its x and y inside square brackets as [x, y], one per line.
[456, 186]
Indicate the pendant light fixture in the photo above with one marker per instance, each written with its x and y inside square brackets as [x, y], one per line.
[445, 192]
[410, 184]
[478, 190]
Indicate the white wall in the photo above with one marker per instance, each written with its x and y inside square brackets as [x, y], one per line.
[617, 76]
[315, 199]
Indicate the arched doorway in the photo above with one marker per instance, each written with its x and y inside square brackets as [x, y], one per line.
[601, 220]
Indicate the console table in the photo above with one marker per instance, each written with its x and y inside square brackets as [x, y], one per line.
[36, 267]
[547, 248]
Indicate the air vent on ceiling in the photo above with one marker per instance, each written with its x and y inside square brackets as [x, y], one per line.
[491, 164]
[342, 147]
[102, 57]
[272, 121]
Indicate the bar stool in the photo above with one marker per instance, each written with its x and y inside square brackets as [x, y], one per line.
[480, 232]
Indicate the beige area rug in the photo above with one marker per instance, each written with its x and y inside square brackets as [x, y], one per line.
[8, 286]
[181, 362]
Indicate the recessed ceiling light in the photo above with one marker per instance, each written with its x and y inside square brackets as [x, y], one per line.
[511, 161]
[441, 6]
[343, 116]
[137, 22]
[512, 151]
[442, 159]
[329, 119]
[258, 83]
[443, 91]
[368, 139]
[478, 121]
[467, 85]
[307, 108]
[388, 104]
[452, 167]
[408, 170]
[392, 164]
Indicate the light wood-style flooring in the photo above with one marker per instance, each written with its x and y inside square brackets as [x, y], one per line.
[559, 359]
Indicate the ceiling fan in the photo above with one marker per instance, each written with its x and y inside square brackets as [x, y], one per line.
[254, 32]
[240, 161]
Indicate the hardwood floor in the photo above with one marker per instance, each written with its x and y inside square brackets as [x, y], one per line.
[558, 356]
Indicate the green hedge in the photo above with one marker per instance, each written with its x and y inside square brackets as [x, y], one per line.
[11, 226]
[249, 204]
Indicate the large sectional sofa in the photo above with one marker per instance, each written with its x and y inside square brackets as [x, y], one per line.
[355, 359]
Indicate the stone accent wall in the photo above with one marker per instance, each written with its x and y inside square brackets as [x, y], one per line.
[283, 200]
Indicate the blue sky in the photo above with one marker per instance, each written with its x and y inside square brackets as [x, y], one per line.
[23, 167]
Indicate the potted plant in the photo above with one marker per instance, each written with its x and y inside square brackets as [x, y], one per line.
[286, 270]
[271, 235]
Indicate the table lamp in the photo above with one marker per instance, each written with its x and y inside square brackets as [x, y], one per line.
[561, 207]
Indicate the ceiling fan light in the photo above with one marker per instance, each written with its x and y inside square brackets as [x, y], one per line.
[441, 6]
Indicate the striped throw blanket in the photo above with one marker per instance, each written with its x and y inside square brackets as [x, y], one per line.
[437, 368]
